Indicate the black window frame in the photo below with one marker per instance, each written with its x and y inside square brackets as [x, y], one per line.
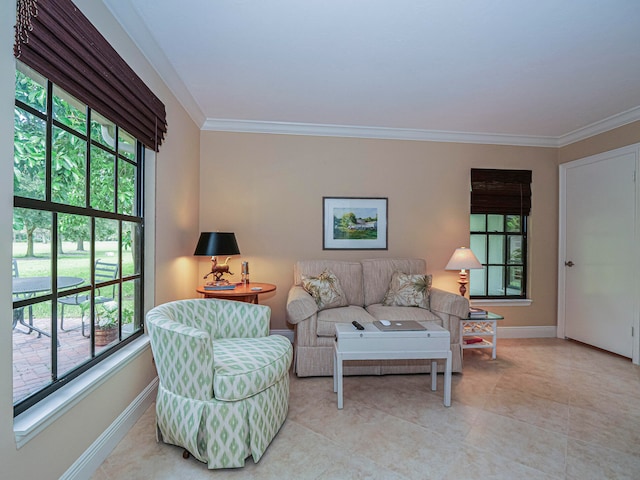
[505, 265]
[47, 205]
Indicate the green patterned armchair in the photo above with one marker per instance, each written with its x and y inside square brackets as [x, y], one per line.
[224, 381]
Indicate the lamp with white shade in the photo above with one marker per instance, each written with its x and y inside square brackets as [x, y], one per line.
[463, 259]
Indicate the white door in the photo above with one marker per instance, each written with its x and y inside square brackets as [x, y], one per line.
[600, 255]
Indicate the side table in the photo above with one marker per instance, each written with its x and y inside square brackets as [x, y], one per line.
[242, 293]
[485, 327]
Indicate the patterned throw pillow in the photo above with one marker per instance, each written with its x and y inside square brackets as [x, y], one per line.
[325, 289]
[408, 291]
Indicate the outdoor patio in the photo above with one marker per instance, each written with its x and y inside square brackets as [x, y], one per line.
[32, 354]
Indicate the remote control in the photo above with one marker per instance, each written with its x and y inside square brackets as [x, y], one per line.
[357, 325]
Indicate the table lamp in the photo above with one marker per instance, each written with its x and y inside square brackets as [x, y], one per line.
[214, 244]
[463, 259]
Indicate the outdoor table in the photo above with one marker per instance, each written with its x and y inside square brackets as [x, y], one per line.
[29, 286]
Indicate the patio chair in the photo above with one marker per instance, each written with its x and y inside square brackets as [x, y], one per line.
[224, 381]
[104, 272]
[18, 314]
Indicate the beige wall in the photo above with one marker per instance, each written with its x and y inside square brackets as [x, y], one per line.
[604, 142]
[268, 189]
[55, 449]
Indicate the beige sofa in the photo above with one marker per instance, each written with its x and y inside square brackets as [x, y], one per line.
[365, 284]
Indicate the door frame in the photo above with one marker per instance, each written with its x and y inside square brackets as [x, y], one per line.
[635, 266]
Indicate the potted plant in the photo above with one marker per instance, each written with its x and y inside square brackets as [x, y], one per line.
[106, 329]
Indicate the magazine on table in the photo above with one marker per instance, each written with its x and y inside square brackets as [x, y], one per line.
[477, 313]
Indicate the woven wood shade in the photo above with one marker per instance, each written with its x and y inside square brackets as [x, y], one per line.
[506, 192]
[54, 38]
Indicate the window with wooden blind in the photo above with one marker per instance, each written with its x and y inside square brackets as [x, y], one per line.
[500, 206]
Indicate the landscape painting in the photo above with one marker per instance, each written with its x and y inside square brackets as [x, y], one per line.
[354, 223]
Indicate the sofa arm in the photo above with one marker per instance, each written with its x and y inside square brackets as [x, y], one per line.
[300, 305]
[449, 303]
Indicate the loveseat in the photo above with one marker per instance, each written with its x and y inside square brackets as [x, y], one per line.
[365, 293]
[224, 381]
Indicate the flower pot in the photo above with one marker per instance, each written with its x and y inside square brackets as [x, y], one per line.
[104, 336]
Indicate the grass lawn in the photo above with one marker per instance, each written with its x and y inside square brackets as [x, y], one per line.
[71, 263]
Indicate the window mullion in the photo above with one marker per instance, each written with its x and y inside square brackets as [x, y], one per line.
[48, 144]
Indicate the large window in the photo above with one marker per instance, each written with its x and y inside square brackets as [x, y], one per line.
[78, 237]
[500, 205]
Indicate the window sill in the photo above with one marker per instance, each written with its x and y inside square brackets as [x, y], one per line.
[29, 424]
[499, 302]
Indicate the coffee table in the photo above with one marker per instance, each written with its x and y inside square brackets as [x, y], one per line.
[373, 344]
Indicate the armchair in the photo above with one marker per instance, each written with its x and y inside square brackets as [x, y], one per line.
[224, 381]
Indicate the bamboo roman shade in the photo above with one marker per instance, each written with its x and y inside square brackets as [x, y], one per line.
[506, 192]
[54, 38]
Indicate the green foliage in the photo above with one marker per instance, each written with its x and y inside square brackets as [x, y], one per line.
[68, 163]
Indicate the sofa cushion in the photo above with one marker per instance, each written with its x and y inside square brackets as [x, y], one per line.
[380, 312]
[327, 319]
[408, 291]
[377, 275]
[245, 366]
[325, 290]
[348, 273]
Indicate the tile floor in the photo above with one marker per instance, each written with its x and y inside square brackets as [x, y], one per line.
[544, 409]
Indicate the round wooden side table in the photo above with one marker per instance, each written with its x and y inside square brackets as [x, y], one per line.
[242, 293]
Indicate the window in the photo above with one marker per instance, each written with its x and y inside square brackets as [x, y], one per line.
[500, 205]
[500, 243]
[78, 237]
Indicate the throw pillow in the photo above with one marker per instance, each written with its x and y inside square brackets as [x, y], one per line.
[408, 291]
[325, 289]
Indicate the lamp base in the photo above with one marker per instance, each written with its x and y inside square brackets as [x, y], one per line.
[217, 283]
[463, 279]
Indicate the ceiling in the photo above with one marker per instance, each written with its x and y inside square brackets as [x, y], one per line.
[534, 72]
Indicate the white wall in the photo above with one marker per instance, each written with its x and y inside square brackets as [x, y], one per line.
[57, 447]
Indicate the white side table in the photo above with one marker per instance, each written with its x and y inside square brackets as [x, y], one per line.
[484, 327]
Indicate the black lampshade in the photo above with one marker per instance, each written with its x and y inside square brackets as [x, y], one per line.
[217, 243]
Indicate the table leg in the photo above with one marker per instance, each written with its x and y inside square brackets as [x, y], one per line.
[335, 371]
[31, 326]
[447, 381]
[495, 338]
[434, 375]
[339, 379]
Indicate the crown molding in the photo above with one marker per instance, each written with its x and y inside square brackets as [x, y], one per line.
[609, 123]
[321, 130]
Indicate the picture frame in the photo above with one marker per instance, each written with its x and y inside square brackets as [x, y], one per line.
[355, 223]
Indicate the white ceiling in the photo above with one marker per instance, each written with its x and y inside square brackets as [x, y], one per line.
[539, 72]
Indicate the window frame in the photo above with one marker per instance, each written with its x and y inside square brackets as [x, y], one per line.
[47, 205]
[505, 265]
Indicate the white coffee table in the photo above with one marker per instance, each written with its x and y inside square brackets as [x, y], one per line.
[373, 344]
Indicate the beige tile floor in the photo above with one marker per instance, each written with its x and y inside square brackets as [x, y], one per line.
[544, 409]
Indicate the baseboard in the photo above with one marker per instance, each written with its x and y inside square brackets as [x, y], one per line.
[285, 332]
[99, 450]
[527, 332]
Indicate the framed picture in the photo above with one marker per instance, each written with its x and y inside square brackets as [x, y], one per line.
[354, 223]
